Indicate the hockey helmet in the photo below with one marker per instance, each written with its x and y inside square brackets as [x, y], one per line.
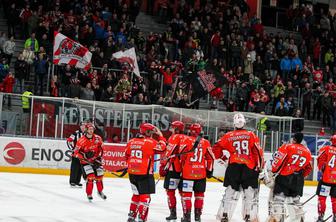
[195, 129]
[144, 127]
[333, 140]
[239, 121]
[178, 125]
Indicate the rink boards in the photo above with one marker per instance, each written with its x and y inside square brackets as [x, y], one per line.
[46, 156]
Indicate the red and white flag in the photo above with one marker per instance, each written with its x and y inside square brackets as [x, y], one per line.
[67, 51]
[128, 56]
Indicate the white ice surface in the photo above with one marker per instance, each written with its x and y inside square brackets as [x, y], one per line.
[49, 198]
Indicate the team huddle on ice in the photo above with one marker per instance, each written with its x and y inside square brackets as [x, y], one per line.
[187, 160]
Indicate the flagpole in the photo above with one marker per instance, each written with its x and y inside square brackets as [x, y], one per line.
[132, 81]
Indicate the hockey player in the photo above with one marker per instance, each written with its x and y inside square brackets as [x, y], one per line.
[140, 159]
[291, 164]
[89, 151]
[326, 162]
[197, 165]
[171, 168]
[245, 162]
[75, 169]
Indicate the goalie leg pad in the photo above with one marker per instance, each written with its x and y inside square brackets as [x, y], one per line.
[228, 203]
[295, 211]
[250, 203]
[278, 207]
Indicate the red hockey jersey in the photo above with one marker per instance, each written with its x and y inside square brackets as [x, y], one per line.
[140, 154]
[173, 147]
[326, 162]
[89, 149]
[291, 158]
[243, 147]
[196, 163]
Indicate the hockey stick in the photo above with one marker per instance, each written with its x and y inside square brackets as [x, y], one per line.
[105, 170]
[157, 181]
[309, 199]
[301, 204]
[197, 141]
[327, 218]
[218, 179]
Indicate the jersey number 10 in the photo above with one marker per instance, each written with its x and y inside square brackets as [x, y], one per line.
[136, 154]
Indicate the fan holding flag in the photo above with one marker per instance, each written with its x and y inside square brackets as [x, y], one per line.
[129, 57]
[68, 51]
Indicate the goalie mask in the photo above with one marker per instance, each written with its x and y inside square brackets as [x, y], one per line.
[239, 121]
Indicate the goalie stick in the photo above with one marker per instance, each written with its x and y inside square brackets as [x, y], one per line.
[327, 218]
[218, 179]
[301, 204]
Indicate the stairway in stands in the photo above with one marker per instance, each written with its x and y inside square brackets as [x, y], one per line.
[147, 23]
[19, 46]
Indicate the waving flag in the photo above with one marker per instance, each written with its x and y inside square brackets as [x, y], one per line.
[128, 56]
[67, 51]
[204, 82]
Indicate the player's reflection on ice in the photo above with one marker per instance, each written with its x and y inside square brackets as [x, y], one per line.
[48, 198]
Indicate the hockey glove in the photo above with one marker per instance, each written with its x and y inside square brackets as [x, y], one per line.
[163, 172]
[209, 174]
[89, 155]
[269, 179]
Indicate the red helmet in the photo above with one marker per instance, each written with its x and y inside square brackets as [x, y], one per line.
[195, 129]
[145, 127]
[89, 125]
[333, 140]
[178, 125]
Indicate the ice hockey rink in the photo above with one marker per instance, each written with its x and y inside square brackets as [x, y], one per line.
[49, 198]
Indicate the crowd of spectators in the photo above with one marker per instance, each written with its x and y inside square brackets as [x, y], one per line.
[265, 72]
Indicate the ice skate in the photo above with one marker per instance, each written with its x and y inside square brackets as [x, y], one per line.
[90, 198]
[131, 217]
[102, 195]
[172, 216]
[225, 218]
[198, 213]
[186, 217]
